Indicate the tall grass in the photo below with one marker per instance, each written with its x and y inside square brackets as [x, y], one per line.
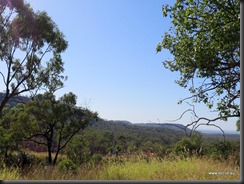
[189, 169]
[9, 173]
[135, 169]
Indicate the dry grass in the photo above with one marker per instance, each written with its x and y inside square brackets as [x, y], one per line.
[190, 169]
[135, 169]
[43, 155]
[9, 174]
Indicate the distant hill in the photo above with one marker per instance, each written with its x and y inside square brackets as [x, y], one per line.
[172, 126]
[217, 131]
[219, 136]
[167, 130]
[15, 100]
[135, 132]
[163, 131]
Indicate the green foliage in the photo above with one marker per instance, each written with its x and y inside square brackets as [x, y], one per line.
[96, 159]
[67, 165]
[153, 147]
[78, 151]
[26, 38]
[117, 139]
[189, 146]
[8, 140]
[205, 43]
[50, 122]
[221, 150]
[108, 135]
[238, 125]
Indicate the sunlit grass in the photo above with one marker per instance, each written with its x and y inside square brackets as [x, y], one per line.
[43, 154]
[9, 173]
[190, 169]
[134, 169]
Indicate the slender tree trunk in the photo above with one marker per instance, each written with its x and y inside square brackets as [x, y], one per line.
[56, 156]
[50, 145]
[6, 160]
[49, 149]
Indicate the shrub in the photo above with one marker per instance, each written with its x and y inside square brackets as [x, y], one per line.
[67, 165]
[189, 146]
[221, 150]
[96, 159]
[77, 151]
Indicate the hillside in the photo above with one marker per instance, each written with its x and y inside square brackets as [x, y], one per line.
[137, 132]
[172, 126]
[166, 133]
[153, 131]
[15, 100]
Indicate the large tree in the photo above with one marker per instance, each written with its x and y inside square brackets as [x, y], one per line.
[205, 43]
[30, 47]
[50, 122]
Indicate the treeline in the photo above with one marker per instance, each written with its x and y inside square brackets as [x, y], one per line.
[111, 138]
[103, 138]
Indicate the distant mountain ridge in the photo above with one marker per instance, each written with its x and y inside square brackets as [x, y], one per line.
[217, 131]
[164, 129]
[172, 126]
[15, 100]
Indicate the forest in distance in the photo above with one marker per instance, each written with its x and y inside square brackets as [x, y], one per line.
[45, 137]
[107, 148]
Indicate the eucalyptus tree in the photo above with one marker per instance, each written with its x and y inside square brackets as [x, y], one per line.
[204, 40]
[50, 122]
[30, 50]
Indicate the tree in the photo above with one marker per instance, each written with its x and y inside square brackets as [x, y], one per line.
[189, 146]
[78, 150]
[205, 43]
[50, 122]
[27, 39]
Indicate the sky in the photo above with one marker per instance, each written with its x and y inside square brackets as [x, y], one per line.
[111, 60]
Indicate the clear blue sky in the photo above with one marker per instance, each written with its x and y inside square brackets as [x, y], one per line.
[111, 61]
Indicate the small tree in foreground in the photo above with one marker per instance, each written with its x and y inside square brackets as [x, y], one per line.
[50, 122]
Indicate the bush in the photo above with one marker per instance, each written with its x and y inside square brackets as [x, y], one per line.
[67, 165]
[77, 151]
[189, 146]
[221, 150]
[96, 159]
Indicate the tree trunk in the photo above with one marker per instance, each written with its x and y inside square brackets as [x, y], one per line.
[49, 149]
[4, 102]
[56, 156]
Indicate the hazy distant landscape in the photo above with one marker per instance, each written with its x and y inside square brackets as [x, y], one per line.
[110, 146]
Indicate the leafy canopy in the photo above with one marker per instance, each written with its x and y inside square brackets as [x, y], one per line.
[50, 122]
[30, 49]
[205, 43]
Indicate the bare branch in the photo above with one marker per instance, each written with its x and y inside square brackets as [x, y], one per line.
[181, 115]
[195, 123]
[208, 124]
